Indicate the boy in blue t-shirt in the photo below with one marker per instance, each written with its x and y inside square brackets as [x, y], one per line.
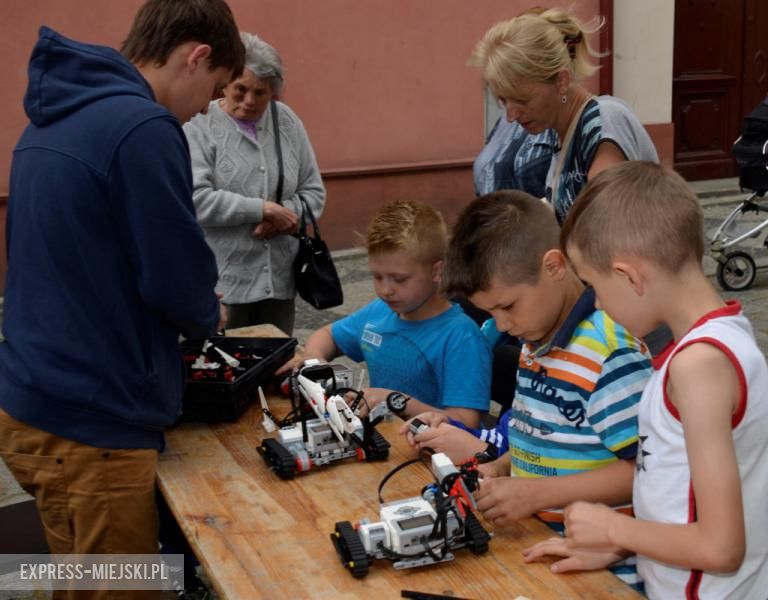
[421, 350]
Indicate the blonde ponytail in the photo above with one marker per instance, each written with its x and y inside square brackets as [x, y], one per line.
[536, 47]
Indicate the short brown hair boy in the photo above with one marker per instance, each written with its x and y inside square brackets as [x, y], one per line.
[409, 226]
[162, 25]
[503, 234]
[653, 214]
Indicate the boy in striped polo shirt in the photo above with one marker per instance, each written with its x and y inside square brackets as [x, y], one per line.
[572, 428]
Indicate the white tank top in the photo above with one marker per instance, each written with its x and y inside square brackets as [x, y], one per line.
[662, 486]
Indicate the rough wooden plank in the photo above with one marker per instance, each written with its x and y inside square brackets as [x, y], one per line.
[260, 537]
[265, 330]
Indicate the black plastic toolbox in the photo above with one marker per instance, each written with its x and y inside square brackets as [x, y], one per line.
[216, 401]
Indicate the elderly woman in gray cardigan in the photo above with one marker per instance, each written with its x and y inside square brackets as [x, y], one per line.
[235, 170]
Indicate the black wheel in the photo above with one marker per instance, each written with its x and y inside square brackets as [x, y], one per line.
[475, 535]
[278, 458]
[737, 272]
[350, 549]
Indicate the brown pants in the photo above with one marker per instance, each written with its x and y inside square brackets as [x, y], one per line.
[91, 500]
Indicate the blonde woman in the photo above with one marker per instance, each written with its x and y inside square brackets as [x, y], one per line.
[534, 64]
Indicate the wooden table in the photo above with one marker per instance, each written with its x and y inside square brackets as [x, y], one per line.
[261, 537]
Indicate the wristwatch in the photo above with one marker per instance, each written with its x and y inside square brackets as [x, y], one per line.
[490, 453]
[396, 402]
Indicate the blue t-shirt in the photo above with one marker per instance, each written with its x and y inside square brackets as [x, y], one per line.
[443, 361]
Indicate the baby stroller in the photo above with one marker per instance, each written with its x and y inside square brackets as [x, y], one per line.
[736, 269]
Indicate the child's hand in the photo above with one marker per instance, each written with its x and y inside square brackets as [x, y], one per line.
[292, 364]
[457, 444]
[430, 418]
[588, 525]
[505, 500]
[373, 397]
[575, 559]
[496, 468]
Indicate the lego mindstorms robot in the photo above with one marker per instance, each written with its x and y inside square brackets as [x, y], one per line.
[322, 428]
[418, 531]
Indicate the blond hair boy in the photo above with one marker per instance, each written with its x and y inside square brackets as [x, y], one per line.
[636, 235]
[421, 350]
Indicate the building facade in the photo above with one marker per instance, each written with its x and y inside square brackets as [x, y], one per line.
[383, 87]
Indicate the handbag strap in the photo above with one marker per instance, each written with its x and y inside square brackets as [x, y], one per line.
[279, 151]
[305, 210]
[304, 206]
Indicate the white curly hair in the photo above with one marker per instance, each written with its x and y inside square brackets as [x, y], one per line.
[263, 60]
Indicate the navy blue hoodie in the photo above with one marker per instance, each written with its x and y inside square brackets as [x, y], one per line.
[107, 264]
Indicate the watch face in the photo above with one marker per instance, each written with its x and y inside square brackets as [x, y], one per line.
[396, 402]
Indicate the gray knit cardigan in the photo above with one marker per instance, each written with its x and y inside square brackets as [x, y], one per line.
[233, 175]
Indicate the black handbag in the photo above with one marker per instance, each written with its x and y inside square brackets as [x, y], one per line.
[316, 279]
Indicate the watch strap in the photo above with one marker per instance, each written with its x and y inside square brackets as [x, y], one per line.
[490, 453]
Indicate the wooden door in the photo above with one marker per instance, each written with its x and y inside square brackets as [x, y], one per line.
[755, 79]
[706, 98]
[720, 74]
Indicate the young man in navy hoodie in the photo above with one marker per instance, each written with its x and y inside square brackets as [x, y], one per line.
[107, 266]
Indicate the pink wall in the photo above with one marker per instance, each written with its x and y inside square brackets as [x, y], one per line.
[378, 84]
[375, 82]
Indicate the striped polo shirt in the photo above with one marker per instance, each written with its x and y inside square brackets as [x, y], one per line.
[575, 406]
[576, 401]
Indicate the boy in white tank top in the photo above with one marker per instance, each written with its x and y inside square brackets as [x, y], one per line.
[636, 235]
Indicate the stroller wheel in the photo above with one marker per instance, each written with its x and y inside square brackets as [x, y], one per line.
[737, 272]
